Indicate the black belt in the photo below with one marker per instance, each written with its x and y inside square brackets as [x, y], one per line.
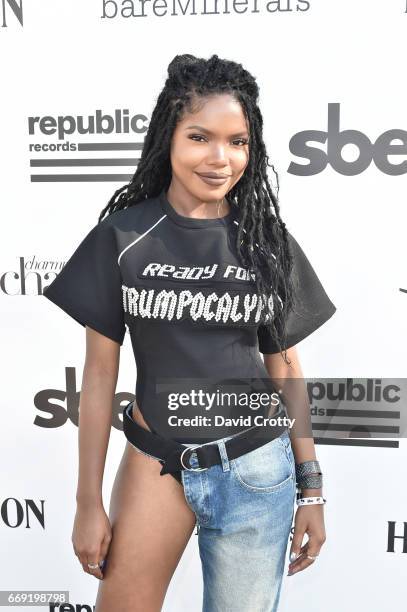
[175, 456]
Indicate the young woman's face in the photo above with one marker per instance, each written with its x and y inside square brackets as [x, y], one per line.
[212, 141]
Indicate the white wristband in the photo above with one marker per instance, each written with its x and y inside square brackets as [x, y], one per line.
[304, 501]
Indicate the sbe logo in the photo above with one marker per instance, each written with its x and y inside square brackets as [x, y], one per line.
[6, 5]
[58, 406]
[335, 140]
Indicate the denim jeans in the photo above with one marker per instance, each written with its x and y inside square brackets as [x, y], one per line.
[244, 509]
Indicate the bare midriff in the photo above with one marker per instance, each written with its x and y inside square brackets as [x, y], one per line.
[138, 417]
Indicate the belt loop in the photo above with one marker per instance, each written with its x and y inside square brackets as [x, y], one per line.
[223, 455]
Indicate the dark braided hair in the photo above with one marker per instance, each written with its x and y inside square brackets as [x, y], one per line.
[261, 237]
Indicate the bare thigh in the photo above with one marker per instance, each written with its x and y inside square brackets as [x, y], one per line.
[151, 526]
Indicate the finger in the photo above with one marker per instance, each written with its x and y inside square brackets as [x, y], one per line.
[300, 557]
[104, 547]
[83, 561]
[104, 550]
[315, 541]
[95, 569]
[300, 552]
[295, 548]
[304, 560]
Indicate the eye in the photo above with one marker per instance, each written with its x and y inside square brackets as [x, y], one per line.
[193, 136]
[244, 141]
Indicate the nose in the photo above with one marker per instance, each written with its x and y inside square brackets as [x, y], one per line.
[218, 154]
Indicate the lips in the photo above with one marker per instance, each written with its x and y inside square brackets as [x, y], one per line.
[213, 179]
[213, 174]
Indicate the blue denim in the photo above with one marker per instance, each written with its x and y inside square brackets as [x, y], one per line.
[244, 509]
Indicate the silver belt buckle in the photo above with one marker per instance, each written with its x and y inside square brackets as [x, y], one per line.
[191, 469]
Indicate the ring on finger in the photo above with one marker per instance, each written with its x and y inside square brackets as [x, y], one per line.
[93, 565]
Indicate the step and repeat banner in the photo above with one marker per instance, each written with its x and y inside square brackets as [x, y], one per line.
[79, 82]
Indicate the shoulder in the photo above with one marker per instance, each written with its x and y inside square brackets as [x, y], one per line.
[137, 217]
[290, 239]
[295, 248]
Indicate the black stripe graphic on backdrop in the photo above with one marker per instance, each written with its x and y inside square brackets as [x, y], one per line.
[71, 178]
[97, 161]
[84, 162]
[358, 442]
[353, 429]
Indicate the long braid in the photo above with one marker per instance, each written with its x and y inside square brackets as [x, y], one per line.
[261, 236]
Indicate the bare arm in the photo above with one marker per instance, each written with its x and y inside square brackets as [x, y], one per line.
[95, 413]
[92, 532]
[297, 405]
[308, 519]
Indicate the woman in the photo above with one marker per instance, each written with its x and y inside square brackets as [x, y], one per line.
[194, 258]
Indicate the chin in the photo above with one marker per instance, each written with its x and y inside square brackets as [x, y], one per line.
[209, 193]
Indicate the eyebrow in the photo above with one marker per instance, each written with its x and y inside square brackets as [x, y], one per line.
[199, 127]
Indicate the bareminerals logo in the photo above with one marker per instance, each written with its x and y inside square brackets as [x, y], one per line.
[85, 148]
[131, 9]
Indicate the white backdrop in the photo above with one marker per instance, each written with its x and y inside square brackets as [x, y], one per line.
[66, 59]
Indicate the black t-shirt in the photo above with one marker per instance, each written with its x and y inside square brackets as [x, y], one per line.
[190, 308]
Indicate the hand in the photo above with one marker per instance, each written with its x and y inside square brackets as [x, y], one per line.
[91, 536]
[310, 520]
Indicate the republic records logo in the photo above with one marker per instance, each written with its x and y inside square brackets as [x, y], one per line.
[104, 146]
